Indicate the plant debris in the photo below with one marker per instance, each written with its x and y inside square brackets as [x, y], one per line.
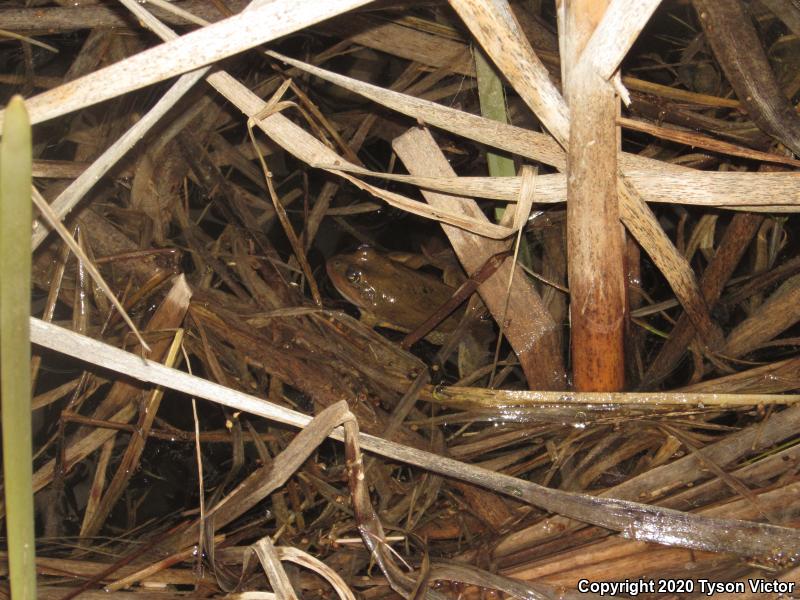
[294, 337]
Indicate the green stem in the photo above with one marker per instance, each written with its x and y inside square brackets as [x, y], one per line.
[15, 347]
[493, 106]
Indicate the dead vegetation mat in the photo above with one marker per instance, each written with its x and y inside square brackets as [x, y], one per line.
[248, 178]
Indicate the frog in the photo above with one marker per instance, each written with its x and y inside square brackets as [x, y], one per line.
[389, 294]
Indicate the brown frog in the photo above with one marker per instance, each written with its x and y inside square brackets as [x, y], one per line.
[388, 293]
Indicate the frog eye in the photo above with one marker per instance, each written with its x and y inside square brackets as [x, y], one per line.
[353, 275]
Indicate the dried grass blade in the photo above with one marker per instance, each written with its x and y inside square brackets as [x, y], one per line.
[153, 567]
[456, 571]
[731, 481]
[533, 334]
[632, 519]
[480, 227]
[651, 486]
[56, 224]
[297, 245]
[642, 223]
[118, 405]
[115, 566]
[263, 481]
[774, 378]
[369, 525]
[537, 146]
[98, 484]
[496, 28]
[304, 559]
[470, 398]
[681, 95]
[76, 190]
[191, 51]
[30, 40]
[734, 243]
[66, 18]
[737, 46]
[656, 181]
[130, 459]
[696, 140]
[525, 198]
[779, 312]
[464, 291]
[276, 575]
[614, 35]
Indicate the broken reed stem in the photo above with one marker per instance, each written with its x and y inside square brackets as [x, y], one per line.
[595, 239]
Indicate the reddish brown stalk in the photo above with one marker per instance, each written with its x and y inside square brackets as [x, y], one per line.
[594, 234]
